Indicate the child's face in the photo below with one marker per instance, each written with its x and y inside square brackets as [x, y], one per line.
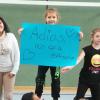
[1, 26]
[96, 38]
[51, 18]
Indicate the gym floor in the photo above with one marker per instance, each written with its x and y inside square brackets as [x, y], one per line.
[66, 93]
[18, 95]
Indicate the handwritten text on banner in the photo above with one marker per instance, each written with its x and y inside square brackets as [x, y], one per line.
[49, 45]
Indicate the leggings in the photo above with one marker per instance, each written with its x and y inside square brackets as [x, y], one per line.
[40, 79]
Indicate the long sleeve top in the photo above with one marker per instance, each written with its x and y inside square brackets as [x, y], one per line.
[9, 53]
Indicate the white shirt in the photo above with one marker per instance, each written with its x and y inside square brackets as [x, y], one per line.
[9, 53]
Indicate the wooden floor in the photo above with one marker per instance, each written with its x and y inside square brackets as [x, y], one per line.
[67, 93]
[66, 90]
[46, 89]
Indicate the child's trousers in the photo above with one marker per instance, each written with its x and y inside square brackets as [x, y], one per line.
[40, 79]
[94, 88]
[6, 86]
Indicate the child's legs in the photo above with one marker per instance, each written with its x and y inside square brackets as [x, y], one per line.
[8, 86]
[1, 84]
[95, 91]
[55, 85]
[82, 88]
[40, 80]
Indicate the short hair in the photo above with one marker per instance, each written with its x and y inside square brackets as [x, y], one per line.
[51, 10]
[28, 96]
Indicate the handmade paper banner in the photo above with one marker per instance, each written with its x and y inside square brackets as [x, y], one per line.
[49, 45]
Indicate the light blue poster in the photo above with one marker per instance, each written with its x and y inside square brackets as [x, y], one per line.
[49, 45]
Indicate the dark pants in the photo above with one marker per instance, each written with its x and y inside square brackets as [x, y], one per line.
[94, 88]
[40, 79]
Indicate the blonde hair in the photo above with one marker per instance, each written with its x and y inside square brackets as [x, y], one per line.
[94, 31]
[51, 10]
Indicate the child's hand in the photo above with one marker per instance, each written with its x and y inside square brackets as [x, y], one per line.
[11, 75]
[66, 69]
[20, 30]
[81, 35]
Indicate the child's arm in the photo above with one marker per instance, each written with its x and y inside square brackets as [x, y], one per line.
[80, 57]
[67, 68]
[81, 35]
[20, 30]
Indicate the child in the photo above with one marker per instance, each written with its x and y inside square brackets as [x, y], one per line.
[90, 73]
[9, 61]
[51, 17]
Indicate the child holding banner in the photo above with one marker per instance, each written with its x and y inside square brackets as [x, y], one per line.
[90, 73]
[9, 61]
[51, 17]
